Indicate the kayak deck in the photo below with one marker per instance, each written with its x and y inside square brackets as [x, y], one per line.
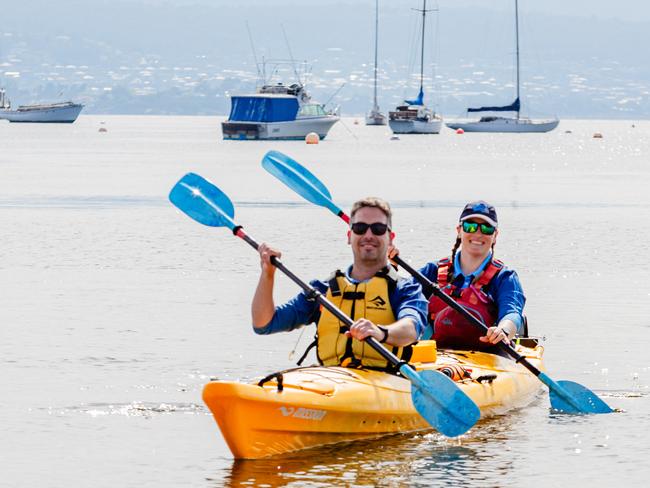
[313, 406]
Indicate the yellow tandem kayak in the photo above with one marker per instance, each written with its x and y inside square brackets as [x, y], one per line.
[316, 405]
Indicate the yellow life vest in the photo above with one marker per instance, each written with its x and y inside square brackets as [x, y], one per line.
[368, 300]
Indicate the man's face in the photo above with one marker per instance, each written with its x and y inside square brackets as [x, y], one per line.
[370, 249]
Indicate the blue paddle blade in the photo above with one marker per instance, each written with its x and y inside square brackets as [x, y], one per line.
[298, 178]
[441, 402]
[572, 397]
[203, 201]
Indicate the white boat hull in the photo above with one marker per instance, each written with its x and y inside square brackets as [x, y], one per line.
[65, 114]
[505, 125]
[415, 126]
[376, 118]
[289, 130]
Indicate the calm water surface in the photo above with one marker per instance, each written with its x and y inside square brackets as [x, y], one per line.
[116, 309]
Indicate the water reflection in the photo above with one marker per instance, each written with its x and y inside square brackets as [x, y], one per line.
[401, 460]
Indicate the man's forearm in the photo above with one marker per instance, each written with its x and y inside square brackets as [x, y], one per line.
[263, 307]
[401, 333]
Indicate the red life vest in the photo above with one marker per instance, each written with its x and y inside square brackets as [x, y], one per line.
[451, 329]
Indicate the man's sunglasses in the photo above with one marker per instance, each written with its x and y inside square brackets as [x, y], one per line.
[378, 229]
[471, 227]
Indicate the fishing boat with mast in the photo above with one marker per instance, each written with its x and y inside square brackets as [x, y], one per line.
[375, 117]
[277, 111]
[415, 117]
[63, 112]
[498, 123]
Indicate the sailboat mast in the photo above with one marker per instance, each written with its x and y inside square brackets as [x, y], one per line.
[424, 14]
[517, 46]
[375, 107]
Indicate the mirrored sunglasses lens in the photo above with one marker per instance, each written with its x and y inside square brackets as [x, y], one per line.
[470, 227]
[487, 229]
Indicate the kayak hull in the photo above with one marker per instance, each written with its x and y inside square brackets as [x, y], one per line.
[313, 406]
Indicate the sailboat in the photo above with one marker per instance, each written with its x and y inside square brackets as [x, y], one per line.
[415, 117]
[375, 117]
[496, 123]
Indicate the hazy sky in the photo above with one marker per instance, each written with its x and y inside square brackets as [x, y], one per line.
[633, 10]
[582, 57]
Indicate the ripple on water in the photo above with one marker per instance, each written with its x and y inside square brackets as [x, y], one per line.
[134, 409]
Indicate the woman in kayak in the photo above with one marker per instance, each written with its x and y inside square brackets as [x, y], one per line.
[477, 281]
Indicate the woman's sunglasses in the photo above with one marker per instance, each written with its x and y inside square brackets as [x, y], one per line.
[378, 229]
[472, 227]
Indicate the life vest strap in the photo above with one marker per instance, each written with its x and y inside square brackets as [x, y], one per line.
[313, 344]
[353, 295]
[443, 271]
[490, 271]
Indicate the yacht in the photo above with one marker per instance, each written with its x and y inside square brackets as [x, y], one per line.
[498, 123]
[375, 117]
[414, 117]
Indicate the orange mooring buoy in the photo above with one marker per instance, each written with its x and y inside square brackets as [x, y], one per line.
[312, 138]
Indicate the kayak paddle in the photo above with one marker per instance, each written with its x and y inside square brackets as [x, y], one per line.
[436, 398]
[565, 396]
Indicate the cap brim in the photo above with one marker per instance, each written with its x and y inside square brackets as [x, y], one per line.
[482, 217]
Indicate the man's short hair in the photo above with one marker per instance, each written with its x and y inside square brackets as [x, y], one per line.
[373, 202]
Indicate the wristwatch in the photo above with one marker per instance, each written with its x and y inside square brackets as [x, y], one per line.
[385, 331]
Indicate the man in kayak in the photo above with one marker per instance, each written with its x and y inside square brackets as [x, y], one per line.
[477, 281]
[383, 306]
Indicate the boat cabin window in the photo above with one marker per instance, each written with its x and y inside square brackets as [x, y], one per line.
[312, 109]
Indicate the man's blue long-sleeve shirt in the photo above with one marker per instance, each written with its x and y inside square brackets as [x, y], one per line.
[406, 300]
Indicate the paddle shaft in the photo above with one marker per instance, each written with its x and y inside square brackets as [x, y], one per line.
[314, 294]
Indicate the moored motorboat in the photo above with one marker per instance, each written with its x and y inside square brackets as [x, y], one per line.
[313, 406]
[64, 112]
[276, 112]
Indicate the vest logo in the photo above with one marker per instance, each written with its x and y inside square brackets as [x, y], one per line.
[378, 303]
[303, 413]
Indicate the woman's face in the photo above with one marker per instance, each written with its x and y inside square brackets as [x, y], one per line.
[477, 243]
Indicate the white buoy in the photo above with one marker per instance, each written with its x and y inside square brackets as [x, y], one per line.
[394, 138]
[598, 135]
[312, 138]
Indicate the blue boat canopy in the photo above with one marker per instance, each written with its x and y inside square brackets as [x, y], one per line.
[263, 109]
[418, 101]
[515, 107]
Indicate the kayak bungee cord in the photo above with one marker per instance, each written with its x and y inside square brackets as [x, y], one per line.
[435, 396]
[565, 396]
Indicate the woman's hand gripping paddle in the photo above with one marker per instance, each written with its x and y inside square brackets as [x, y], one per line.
[565, 396]
[436, 398]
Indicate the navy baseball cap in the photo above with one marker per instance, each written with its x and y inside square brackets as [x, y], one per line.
[482, 210]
